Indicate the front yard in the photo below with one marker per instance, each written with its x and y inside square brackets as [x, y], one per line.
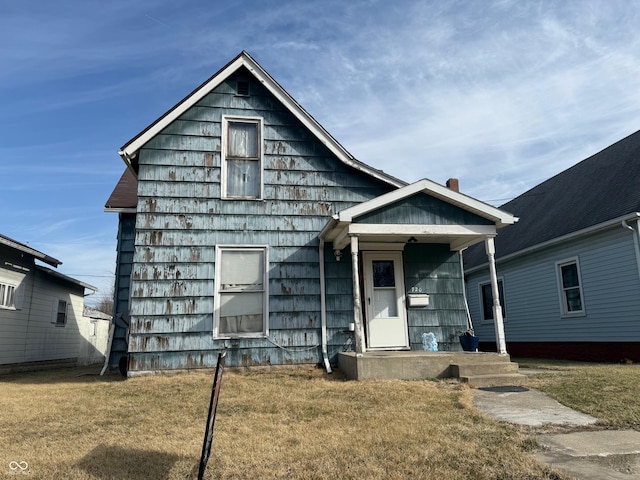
[282, 423]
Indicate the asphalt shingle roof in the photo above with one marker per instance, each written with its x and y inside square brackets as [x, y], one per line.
[600, 188]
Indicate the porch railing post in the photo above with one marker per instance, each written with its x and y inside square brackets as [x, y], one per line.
[498, 321]
[357, 301]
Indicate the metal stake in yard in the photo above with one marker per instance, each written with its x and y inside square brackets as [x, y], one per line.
[211, 418]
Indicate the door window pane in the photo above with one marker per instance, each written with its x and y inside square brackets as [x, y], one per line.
[385, 303]
[383, 274]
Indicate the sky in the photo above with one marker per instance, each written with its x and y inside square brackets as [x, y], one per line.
[501, 94]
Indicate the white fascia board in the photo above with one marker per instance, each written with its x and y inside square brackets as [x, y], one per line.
[119, 210]
[429, 187]
[421, 230]
[634, 216]
[130, 149]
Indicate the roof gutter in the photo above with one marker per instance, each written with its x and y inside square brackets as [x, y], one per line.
[563, 238]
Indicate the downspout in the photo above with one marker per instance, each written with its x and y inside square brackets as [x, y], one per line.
[464, 293]
[323, 308]
[636, 240]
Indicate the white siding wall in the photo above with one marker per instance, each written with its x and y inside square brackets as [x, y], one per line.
[29, 334]
[611, 289]
[13, 322]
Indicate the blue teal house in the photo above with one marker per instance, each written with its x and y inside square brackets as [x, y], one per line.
[569, 270]
[245, 226]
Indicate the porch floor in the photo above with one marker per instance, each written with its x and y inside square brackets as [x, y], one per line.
[417, 364]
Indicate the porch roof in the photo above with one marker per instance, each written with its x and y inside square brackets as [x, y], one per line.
[343, 224]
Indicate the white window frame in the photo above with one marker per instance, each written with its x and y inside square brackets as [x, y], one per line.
[503, 300]
[564, 311]
[8, 295]
[225, 147]
[220, 249]
[57, 303]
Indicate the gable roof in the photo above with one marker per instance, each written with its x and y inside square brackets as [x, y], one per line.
[340, 226]
[499, 217]
[129, 150]
[597, 190]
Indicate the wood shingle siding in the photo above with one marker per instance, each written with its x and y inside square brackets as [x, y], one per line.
[181, 218]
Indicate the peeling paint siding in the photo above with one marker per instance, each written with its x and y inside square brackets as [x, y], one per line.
[173, 324]
[435, 270]
[423, 209]
[200, 238]
[181, 219]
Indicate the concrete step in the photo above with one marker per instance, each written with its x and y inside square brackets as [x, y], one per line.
[494, 380]
[487, 368]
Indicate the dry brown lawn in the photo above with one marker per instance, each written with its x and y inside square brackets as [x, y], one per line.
[277, 423]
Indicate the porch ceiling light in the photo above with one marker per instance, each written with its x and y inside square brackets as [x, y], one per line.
[338, 254]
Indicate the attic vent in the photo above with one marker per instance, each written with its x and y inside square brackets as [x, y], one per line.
[243, 88]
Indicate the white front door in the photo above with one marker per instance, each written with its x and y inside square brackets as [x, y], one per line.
[384, 300]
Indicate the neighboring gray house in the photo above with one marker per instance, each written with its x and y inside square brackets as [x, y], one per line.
[569, 270]
[40, 309]
[245, 226]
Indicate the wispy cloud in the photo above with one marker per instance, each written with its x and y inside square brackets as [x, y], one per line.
[502, 93]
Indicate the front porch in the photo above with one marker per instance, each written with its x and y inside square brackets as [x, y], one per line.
[478, 369]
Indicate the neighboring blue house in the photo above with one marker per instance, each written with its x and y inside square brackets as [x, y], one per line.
[245, 226]
[569, 270]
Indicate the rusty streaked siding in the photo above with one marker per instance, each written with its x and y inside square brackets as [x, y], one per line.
[181, 218]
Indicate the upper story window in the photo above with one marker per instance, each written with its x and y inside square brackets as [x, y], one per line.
[486, 295]
[570, 288]
[242, 157]
[7, 295]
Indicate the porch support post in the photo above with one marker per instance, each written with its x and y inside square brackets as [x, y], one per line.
[357, 301]
[498, 322]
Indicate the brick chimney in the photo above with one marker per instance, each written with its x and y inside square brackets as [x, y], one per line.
[453, 184]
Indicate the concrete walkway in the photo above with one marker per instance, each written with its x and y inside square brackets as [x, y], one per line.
[586, 455]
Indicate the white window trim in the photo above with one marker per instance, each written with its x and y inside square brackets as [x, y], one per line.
[564, 313]
[223, 175]
[503, 302]
[265, 308]
[5, 293]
